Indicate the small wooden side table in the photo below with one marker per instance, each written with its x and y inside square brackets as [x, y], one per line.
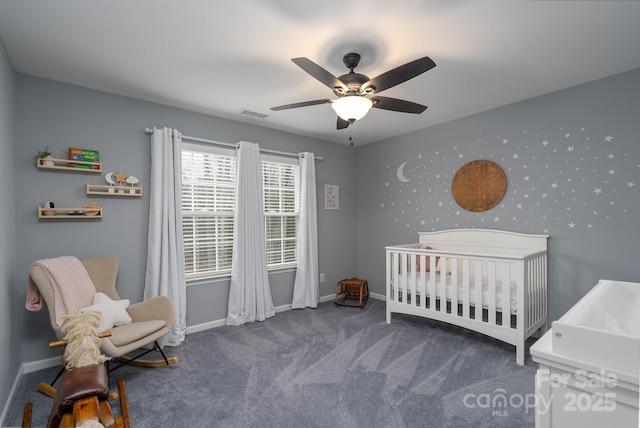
[352, 287]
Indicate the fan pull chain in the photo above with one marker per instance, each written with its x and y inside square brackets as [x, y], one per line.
[351, 134]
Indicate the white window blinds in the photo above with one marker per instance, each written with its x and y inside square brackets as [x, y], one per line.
[208, 196]
[281, 187]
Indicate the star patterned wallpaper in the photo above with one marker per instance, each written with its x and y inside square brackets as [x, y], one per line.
[551, 177]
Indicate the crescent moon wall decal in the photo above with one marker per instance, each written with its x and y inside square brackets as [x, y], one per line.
[401, 176]
[108, 178]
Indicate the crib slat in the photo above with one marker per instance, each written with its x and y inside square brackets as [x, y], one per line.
[396, 276]
[430, 292]
[491, 291]
[542, 290]
[387, 275]
[532, 292]
[543, 284]
[443, 286]
[478, 289]
[403, 274]
[423, 279]
[506, 295]
[522, 310]
[539, 314]
[411, 289]
[453, 294]
[432, 288]
[465, 288]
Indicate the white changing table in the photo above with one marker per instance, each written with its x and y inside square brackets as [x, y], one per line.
[569, 394]
[590, 361]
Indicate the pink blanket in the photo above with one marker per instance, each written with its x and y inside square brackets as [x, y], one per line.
[72, 286]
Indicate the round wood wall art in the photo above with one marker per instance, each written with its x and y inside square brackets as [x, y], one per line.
[479, 185]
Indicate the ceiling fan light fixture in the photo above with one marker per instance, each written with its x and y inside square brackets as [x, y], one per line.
[352, 107]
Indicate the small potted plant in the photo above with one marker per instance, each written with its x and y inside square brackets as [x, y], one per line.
[44, 154]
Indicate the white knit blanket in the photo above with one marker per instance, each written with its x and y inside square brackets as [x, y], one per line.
[72, 286]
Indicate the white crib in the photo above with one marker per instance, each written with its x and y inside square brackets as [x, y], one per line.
[490, 281]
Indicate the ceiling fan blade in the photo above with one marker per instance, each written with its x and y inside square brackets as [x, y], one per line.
[319, 73]
[302, 104]
[399, 74]
[395, 104]
[342, 124]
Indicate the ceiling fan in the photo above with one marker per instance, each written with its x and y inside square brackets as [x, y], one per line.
[356, 93]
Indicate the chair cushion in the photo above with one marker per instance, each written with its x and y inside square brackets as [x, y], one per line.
[129, 333]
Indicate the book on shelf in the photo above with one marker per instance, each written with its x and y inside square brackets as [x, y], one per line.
[85, 156]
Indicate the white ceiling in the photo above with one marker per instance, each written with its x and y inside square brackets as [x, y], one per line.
[219, 57]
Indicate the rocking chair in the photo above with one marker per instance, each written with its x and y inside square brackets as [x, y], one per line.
[151, 319]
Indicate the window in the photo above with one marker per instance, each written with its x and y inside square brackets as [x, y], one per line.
[208, 197]
[281, 189]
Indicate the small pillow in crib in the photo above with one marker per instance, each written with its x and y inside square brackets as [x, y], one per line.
[112, 312]
[427, 258]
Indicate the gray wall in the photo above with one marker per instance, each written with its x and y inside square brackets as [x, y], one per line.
[572, 160]
[62, 116]
[9, 303]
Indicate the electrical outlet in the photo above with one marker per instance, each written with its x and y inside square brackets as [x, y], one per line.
[322, 277]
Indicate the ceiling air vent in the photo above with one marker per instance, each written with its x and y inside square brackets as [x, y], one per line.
[247, 112]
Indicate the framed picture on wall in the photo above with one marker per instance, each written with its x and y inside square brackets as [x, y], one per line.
[331, 197]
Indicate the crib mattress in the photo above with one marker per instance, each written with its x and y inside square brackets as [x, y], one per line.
[460, 292]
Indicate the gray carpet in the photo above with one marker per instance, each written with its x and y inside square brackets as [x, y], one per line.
[326, 367]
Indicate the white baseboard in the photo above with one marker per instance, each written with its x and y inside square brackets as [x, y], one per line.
[14, 387]
[205, 326]
[34, 366]
[221, 322]
[378, 296]
[327, 298]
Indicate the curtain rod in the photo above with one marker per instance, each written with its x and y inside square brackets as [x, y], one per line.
[220, 143]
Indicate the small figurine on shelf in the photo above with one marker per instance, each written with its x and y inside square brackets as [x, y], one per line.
[120, 178]
[133, 181]
[47, 208]
[109, 179]
[44, 154]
